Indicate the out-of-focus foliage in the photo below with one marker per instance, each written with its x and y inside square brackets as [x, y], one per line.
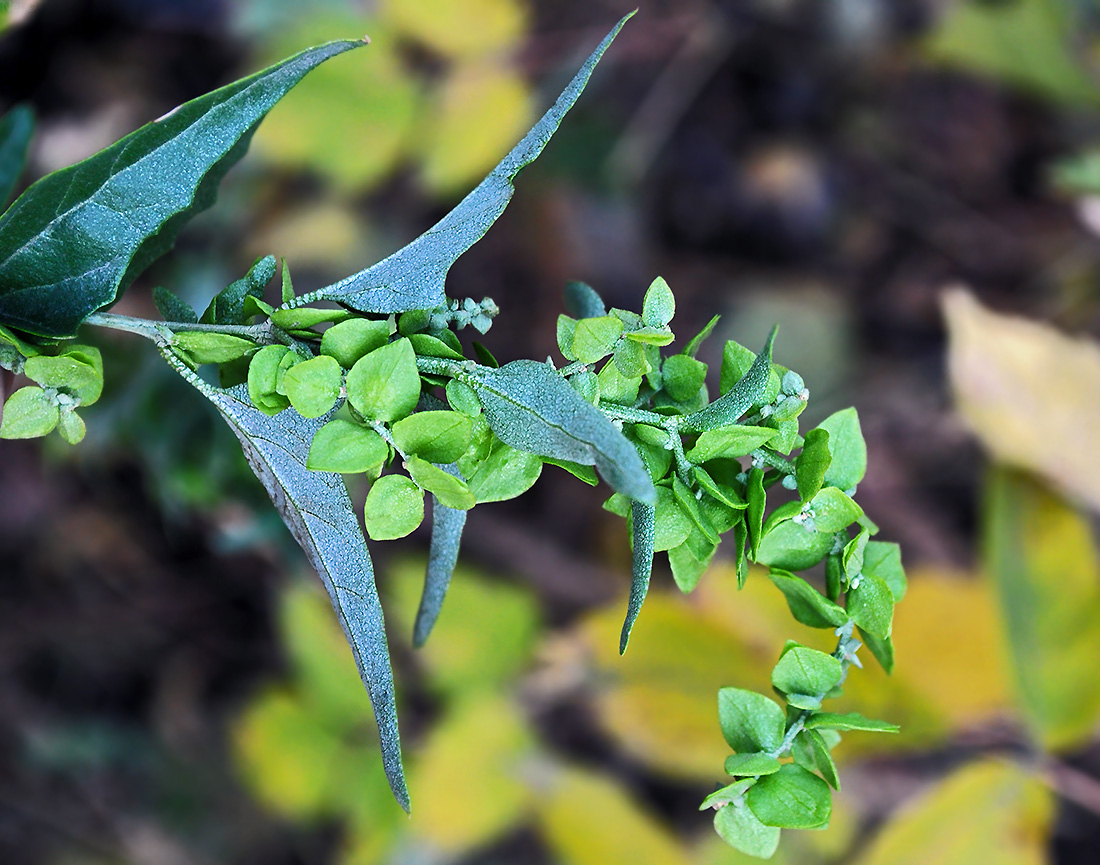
[1025, 43]
[452, 118]
[1028, 393]
[1044, 563]
[988, 812]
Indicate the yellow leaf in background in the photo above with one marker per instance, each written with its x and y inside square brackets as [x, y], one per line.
[951, 646]
[1026, 43]
[984, 814]
[1044, 563]
[459, 28]
[469, 777]
[285, 756]
[350, 123]
[485, 634]
[478, 114]
[325, 672]
[1030, 393]
[325, 236]
[588, 820]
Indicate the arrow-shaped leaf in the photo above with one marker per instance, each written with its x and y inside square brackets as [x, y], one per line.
[532, 408]
[16, 129]
[79, 236]
[413, 277]
[316, 508]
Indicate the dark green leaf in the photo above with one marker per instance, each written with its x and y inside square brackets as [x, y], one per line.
[28, 414]
[16, 130]
[316, 508]
[812, 463]
[229, 306]
[447, 526]
[806, 671]
[582, 301]
[682, 377]
[847, 721]
[883, 650]
[384, 385]
[344, 446]
[833, 511]
[754, 517]
[751, 764]
[791, 547]
[823, 759]
[739, 827]
[172, 308]
[394, 508]
[847, 447]
[737, 400]
[807, 604]
[883, 560]
[587, 385]
[692, 348]
[533, 409]
[871, 605]
[792, 798]
[750, 721]
[413, 277]
[643, 534]
[77, 237]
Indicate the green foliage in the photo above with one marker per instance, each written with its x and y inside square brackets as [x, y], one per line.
[16, 130]
[382, 387]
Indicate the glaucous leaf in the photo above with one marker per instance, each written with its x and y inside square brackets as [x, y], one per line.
[582, 301]
[413, 277]
[642, 536]
[316, 508]
[79, 236]
[738, 399]
[447, 526]
[532, 408]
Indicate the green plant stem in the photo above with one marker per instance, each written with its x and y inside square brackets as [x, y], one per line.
[161, 332]
[637, 415]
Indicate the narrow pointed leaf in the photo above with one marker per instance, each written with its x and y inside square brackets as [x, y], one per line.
[532, 408]
[643, 519]
[316, 508]
[16, 129]
[413, 277]
[79, 236]
[447, 526]
[738, 399]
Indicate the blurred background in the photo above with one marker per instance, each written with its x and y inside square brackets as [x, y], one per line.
[910, 188]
